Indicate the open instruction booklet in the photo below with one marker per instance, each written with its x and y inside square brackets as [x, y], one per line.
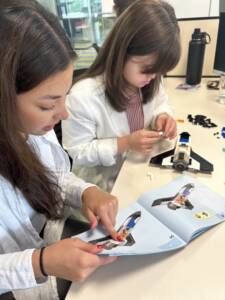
[163, 219]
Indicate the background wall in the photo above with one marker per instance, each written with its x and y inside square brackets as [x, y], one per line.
[214, 11]
[191, 8]
[184, 9]
[187, 27]
[107, 6]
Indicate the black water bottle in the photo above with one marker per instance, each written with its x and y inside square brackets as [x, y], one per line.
[196, 53]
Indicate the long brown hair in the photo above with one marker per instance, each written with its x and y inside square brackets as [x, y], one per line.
[121, 5]
[145, 27]
[33, 47]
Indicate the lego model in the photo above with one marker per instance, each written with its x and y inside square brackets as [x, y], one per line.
[182, 158]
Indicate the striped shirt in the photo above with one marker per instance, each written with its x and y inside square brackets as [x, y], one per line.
[134, 111]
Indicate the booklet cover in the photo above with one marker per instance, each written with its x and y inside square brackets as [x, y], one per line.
[163, 219]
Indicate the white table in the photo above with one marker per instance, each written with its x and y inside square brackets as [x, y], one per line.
[196, 272]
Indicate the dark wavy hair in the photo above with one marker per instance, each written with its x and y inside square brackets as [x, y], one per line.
[33, 47]
[145, 27]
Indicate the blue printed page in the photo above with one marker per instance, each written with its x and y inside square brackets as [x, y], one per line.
[140, 233]
[185, 206]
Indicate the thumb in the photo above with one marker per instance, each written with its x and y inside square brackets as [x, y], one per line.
[92, 218]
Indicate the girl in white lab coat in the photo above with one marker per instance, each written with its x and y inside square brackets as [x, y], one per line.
[36, 67]
[120, 103]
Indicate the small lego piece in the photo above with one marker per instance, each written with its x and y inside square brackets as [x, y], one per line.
[149, 174]
[223, 132]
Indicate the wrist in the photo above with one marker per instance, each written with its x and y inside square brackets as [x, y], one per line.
[41, 262]
[123, 143]
[36, 264]
[87, 191]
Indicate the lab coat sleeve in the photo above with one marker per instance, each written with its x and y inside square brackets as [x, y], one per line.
[80, 134]
[73, 188]
[16, 271]
[161, 105]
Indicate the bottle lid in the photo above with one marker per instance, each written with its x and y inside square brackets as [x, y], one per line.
[200, 36]
[197, 34]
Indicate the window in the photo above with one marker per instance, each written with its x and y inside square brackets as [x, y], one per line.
[85, 23]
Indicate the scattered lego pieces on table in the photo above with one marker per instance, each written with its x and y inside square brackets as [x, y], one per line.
[201, 121]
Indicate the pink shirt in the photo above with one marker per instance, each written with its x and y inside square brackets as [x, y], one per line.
[134, 111]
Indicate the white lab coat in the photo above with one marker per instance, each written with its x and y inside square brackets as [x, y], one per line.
[18, 236]
[91, 130]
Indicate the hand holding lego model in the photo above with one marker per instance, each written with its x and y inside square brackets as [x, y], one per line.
[167, 124]
[140, 141]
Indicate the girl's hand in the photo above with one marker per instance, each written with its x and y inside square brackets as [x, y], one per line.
[71, 259]
[167, 124]
[99, 205]
[140, 141]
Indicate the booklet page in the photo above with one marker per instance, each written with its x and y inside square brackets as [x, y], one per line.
[185, 206]
[141, 233]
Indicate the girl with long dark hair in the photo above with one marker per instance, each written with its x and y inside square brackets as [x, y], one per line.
[36, 67]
